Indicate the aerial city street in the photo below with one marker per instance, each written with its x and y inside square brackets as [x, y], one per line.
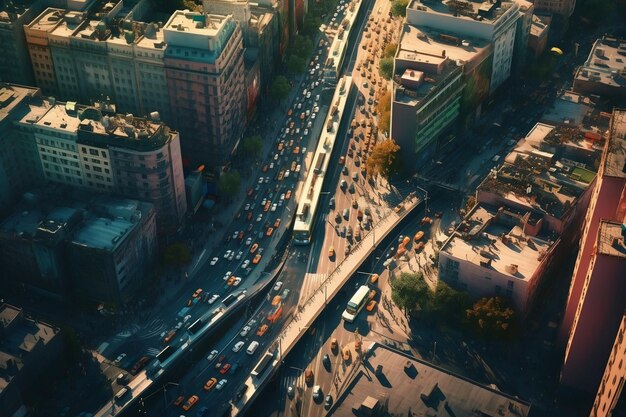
[300, 208]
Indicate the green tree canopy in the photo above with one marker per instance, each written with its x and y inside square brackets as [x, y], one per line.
[296, 64]
[398, 7]
[311, 25]
[491, 317]
[252, 145]
[229, 183]
[410, 292]
[177, 254]
[302, 46]
[384, 159]
[449, 305]
[390, 50]
[386, 68]
[280, 88]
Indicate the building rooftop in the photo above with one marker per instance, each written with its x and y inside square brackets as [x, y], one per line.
[111, 224]
[152, 37]
[568, 108]
[405, 384]
[62, 117]
[539, 25]
[486, 12]
[606, 63]
[411, 95]
[496, 240]
[11, 11]
[196, 23]
[12, 97]
[612, 239]
[430, 42]
[69, 24]
[47, 20]
[548, 169]
[615, 162]
[22, 223]
[94, 30]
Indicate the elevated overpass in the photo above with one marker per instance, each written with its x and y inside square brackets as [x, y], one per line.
[316, 303]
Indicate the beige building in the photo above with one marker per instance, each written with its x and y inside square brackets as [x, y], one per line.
[604, 72]
[539, 35]
[564, 8]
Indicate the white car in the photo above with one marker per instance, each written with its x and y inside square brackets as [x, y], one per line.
[306, 132]
[282, 196]
[239, 255]
[221, 384]
[245, 264]
[236, 282]
[317, 97]
[299, 106]
[313, 116]
[187, 318]
[248, 241]
[214, 261]
[260, 180]
[267, 179]
[278, 286]
[247, 207]
[286, 174]
[317, 392]
[297, 130]
[227, 254]
[309, 124]
[263, 201]
[298, 168]
[227, 275]
[212, 355]
[120, 358]
[304, 92]
[213, 298]
[238, 346]
[273, 207]
[231, 256]
[272, 165]
[308, 94]
[316, 109]
[235, 234]
[244, 332]
[259, 217]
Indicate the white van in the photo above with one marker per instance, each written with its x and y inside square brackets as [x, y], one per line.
[252, 348]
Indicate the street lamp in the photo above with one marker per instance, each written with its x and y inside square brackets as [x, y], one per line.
[425, 198]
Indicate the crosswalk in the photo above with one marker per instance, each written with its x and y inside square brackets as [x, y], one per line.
[152, 351]
[312, 281]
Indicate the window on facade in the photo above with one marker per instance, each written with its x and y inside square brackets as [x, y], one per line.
[93, 152]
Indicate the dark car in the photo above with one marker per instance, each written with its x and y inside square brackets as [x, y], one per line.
[141, 363]
[326, 361]
[220, 361]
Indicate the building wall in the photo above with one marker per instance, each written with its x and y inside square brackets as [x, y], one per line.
[561, 7]
[41, 60]
[522, 35]
[65, 68]
[59, 156]
[502, 57]
[151, 81]
[480, 282]
[610, 396]
[606, 196]
[15, 64]
[124, 77]
[596, 323]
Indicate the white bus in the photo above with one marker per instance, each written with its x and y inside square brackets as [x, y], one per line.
[356, 303]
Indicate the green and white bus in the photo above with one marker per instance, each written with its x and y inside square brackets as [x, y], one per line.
[356, 303]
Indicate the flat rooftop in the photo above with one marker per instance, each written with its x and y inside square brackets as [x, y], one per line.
[539, 25]
[615, 163]
[24, 333]
[495, 239]
[611, 240]
[416, 41]
[47, 20]
[197, 23]
[61, 117]
[606, 63]
[486, 11]
[68, 25]
[152, 37]
[12, 97]
[548, 169]
[11, 11]
[569, 108]
[406, 384]
[430, 82]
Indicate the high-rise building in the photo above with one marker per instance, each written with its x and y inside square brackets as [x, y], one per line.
[204, 69]
[597, 295]
[522, 35]
[495, 22]
[15, 64]
[94, 148]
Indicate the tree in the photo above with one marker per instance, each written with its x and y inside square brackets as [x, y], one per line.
[295, 64]
[386, 68]
[384, 159]
[410, 292]
[280, 88]
[311, 25]
[302, 46]
[252, 145]
[229, 183]
[491, 317]
[390, 50]
[448, 304]
[385, 122]
[384, 103]
[177, 254]
[398, 7]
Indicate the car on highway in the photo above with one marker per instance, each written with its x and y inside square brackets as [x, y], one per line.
[221, 384]
[252, 347]
[329, 401]
[317, 393]
[245, 264]
[249, 240]
[326, 361]
[269, 231]
[212, 355]
[227, 275]
[213, 298]
[120, 358]
[220, 361]
[371, 305]
[418, 236]
[227, 254]
[239, 255]
[254, 248]
[256, 259]
[139, 365]
[276, 300]
[237, 281]
[278, 286]
[178, 401]
[238, 346]
[244, 332]
[214, 261]
[225, 368]
[197, 293]
[262, 330]
[210, 384]
[331, 252]
[190, 402]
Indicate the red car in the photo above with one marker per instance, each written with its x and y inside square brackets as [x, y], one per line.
[225, 369]
[250, 191]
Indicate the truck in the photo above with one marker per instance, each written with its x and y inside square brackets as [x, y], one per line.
[260, 368]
